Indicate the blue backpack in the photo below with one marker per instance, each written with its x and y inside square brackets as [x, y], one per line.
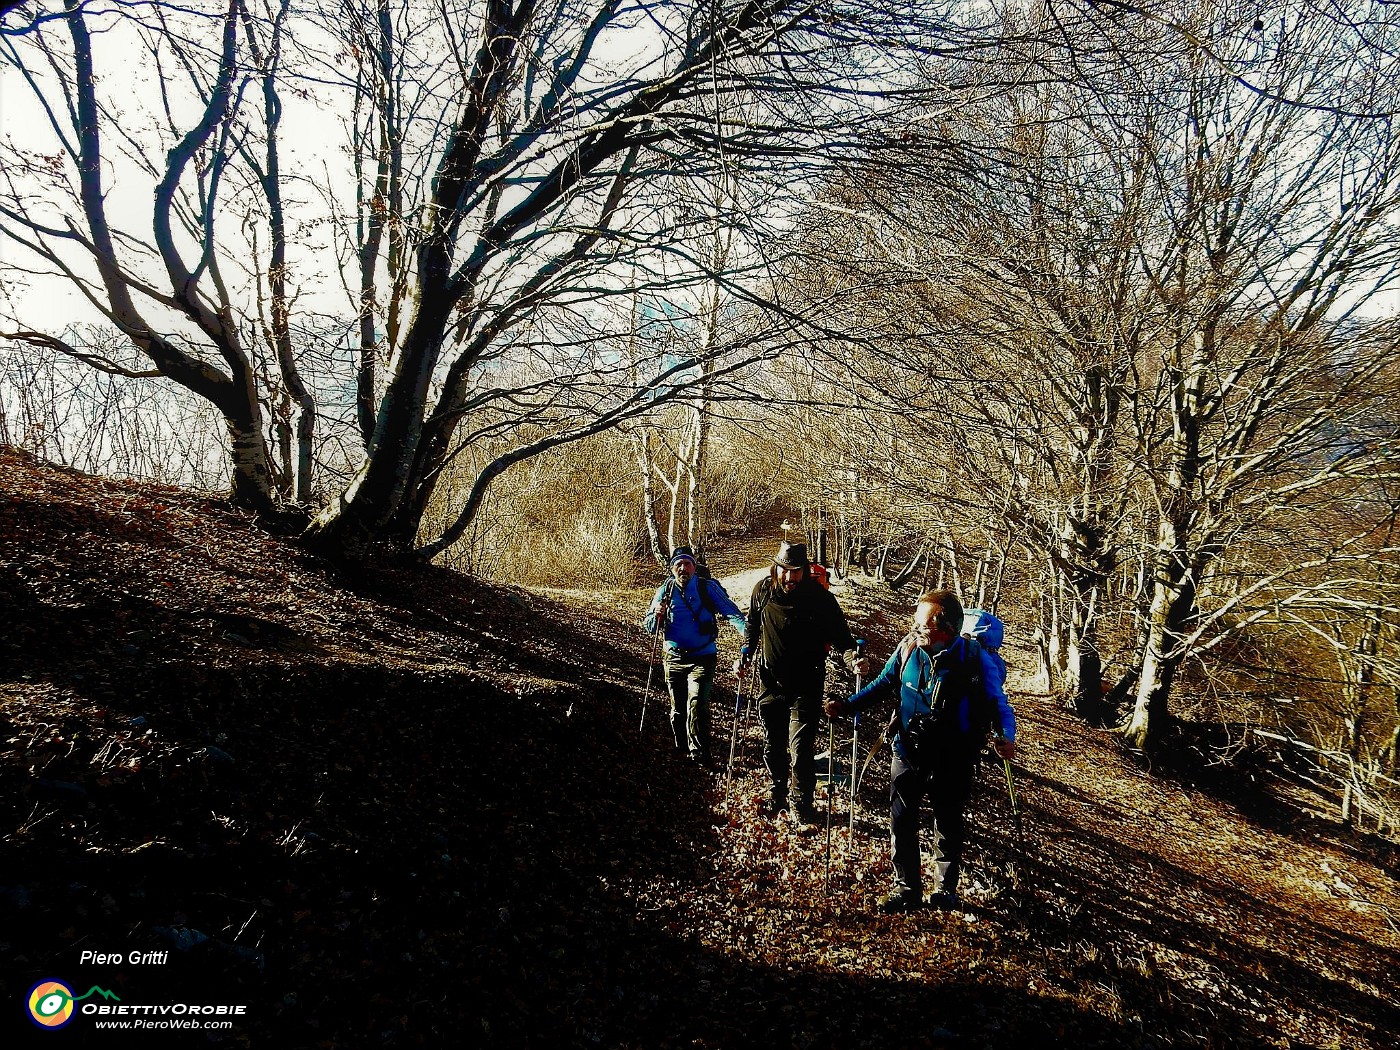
[987, 631]
[986, 628]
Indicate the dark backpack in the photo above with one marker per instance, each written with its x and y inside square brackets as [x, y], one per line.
[924, 729]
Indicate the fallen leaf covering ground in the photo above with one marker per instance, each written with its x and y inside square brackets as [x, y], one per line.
[401, 807]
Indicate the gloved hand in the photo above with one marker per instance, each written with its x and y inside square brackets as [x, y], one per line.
[836, 707]
[741, 665]
[1005, 748]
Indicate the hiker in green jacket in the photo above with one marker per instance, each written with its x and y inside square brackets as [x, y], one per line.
[792, 621]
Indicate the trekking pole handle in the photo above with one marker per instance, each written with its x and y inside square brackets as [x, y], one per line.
[668, 599]
[860, 678]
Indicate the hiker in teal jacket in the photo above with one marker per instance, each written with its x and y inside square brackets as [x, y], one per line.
[688, 607]
[951, 688]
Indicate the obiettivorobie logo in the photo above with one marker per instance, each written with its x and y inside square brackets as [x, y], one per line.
[51, 1002]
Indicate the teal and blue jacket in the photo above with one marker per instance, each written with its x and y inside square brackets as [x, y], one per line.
[967, 699]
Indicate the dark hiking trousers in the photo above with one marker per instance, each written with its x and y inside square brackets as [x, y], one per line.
[688, 681]
[790, 725]
[947, 785]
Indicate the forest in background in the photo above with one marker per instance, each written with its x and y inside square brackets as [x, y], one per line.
[1084, 311]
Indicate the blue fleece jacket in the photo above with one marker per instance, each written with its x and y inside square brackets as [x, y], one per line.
[686, 632]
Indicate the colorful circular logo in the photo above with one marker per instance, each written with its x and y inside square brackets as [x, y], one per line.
[51, 1004]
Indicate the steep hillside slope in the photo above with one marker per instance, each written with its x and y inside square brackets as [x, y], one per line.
[404, 808]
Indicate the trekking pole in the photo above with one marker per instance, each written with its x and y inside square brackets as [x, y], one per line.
[830, 771]
[1015, 809]
[748, 700]
[855, 756]
[651, 667]
[831, 781]
[656, 637]
[734, 733]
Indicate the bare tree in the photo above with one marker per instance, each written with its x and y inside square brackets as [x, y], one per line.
[510, 164]
[297, 470]
[1277, 221]
[1102, 315]
[209, 355]
[208, 303]
[595, 167]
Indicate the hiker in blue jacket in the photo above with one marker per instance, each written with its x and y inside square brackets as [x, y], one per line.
[688, 607]
[951, 692]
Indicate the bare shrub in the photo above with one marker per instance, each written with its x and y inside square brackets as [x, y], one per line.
[572, 514]
[103, 423]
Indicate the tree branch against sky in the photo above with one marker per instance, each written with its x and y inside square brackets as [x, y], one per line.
[509, 165]
[168, 297]
[536, 192]
[1112, 293]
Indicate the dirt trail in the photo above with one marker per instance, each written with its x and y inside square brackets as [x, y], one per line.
[740, 585]
[412, 808]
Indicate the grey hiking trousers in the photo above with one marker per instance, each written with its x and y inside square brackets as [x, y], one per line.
[688, 682]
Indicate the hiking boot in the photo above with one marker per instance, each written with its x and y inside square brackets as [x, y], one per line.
[945, 901]
[806, 813]
[775, 807]
[900, 902]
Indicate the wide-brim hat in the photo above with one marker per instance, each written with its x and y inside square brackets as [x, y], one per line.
[792, 556]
